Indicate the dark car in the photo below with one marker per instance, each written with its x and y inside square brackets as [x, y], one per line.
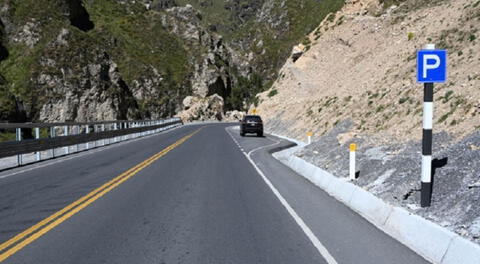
[251, 124]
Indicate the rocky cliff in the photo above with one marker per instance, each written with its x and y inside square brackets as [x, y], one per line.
[74, 60]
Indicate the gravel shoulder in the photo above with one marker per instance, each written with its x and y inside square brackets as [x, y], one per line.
[392, 173]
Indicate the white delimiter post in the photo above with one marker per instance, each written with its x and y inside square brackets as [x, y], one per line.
[309, 137]
[426, 191]
[353, 148]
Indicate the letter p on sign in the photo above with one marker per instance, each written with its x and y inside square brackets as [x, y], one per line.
[432, 66]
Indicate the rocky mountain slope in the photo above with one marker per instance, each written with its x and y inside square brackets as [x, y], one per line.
[361, 65]
[74, 60]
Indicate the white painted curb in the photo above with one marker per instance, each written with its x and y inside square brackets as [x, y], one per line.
[433, 242]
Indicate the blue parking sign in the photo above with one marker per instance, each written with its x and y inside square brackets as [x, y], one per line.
[432, 66]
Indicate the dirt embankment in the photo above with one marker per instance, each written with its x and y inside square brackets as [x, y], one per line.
[355, 81]
[360, 64]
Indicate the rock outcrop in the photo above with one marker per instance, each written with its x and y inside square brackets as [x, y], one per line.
[202, 108]
[77, 60]
[212, 74]
[234, 116]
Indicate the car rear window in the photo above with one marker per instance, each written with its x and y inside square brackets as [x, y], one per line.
[253, 118]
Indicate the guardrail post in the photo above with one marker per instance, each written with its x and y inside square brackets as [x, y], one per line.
[115, 128]
[77, 132]
[95, 131]
[125, 127]
[87, 131]
[37, 136]
[134, 135]
[18, 132]
[108, 140]
[135, 124]
[65, 133]
[103, 129]
[52, 135]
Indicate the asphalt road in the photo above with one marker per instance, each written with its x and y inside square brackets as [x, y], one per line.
[192, 197]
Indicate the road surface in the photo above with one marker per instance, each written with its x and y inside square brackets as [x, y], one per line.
[189, 195]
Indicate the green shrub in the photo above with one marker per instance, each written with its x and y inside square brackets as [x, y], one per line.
[444, 117]
[446, 97]
[7, 136]
[403, 100]
[306, 41]
[272, 93]
[410, 36]
[380, 109]
[331, 17]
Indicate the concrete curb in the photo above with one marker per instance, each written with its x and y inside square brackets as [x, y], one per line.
[298, 142]
[433, 242]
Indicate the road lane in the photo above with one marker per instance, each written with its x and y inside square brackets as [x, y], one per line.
[347, 236]
[201, 203]
[27, 198]
[28, 236]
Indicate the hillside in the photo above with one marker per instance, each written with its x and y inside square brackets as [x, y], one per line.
[354, 81]
[74, 60]
[360, 66]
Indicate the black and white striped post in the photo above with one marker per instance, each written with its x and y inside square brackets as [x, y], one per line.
[426, 192]
[432, 67]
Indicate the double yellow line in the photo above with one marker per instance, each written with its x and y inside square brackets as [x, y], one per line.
[21, 240]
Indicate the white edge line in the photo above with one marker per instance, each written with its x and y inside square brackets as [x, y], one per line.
[276, 142]
[308, 232]
[82, 153]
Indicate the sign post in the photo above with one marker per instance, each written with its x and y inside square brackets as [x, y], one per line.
[431, 68]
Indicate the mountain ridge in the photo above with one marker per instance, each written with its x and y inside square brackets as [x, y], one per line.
[73, 60]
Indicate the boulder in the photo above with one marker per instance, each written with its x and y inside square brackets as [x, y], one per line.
[297, 52]
[234, 116]
[202, 108]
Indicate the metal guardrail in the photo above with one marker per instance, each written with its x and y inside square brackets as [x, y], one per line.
[75, 134]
